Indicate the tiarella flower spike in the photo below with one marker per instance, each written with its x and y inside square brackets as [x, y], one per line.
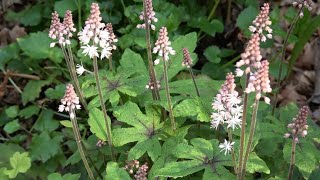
[262, 23]
[259, 81]
[113, 38]
[142, 173]
[162, 45]
[61, 31]
[70, 101]
[150, 16]
[187, 61]
[95, 36]
[299, 125]
[227, 105]
[226, 146]
[303, 4]
[251, 56]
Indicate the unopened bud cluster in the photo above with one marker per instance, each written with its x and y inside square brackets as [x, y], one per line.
[70, 101]
[187, 61]
[303, 4]
[97, 38]
[251, 56]
[151, 85]
[150, 16]
[61, 31]
[138, 172]
[299, 125]
[163, 45]
[227, 105]
[259, 82]
[262, 23]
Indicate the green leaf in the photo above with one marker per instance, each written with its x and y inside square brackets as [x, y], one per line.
[8, 53]
[62, 6]
[185, 151]
[56, 93]
[188, 41]
[12, 126]
[246, 17]
[219, 172]
[41, 42]
[66, 123]
[30, 16]
[97, 123]
[116, 173]
[305, 157]
[124, 136]
[57, 176]
[132, 61]
[193, 107]
[180, 169]
[152, 146]
[204, 146]
[29, 111]
[12, 111]
[32, 90]
[45, 121]
[212, 53]
[43, 147]
[20, 163]
[256, 164]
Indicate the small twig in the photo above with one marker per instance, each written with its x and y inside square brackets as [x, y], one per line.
[27, 76]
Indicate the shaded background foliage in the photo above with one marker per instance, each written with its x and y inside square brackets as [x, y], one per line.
[34, 76]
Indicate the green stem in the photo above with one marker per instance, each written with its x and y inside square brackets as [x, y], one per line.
[251, 135]
[283, 55]
[152, 74]
[96, 75]
[228, 20]
[292, 162]
[110, 64]
[73, 73]
[212, 12]
[79, 145]
[79, 14]
[232, 152]
[173, 124]
[243, 129]
[231, 62]
[194, 82]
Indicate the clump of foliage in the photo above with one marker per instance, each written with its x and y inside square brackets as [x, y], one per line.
[124, 100]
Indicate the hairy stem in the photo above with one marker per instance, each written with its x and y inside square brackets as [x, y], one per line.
[73, 73]
[96, 75]
[243, 129]
[79, 145]
[79, 14]
[283, 55]
[173, 124]
[152, 73]
[292, 162]
[110, 64]
[232, 152]
[251, 135]
[194, 82]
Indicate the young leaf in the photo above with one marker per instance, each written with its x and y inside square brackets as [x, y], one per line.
[213, 53]
[116, 173]
[256, 164]
[12, 126]
[144, 131]
[20, 163]
[43, 147]
[97, 123]
[12, 111]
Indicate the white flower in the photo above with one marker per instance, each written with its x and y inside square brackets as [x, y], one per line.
[90, 50]
[106, 52]
[233, 122]
[226, 146]
[156, 62]
[80, 69]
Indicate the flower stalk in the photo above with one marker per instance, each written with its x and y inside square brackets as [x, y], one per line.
[250, 140]
[165, 73]
[79, 145]
[104, 111]
[232, 153]
[152, 74]
[292, 162]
